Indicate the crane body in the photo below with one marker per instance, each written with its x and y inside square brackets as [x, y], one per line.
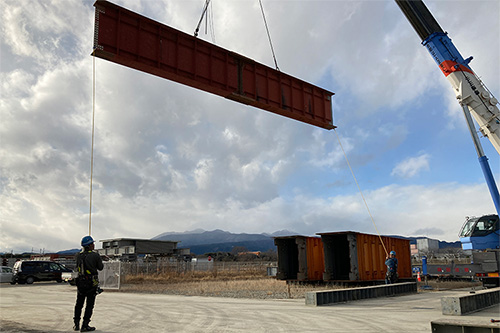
[480, 235]
[473, 96]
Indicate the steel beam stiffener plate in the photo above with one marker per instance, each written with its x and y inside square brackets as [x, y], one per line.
[129, 39]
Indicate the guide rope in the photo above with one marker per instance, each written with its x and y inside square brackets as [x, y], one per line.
[268, 35]
[361, 192]
[92, 145]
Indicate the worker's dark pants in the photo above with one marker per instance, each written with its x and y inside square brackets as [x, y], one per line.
[391, 277]
[80, 300]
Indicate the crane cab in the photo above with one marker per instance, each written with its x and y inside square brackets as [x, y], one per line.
[480, 233]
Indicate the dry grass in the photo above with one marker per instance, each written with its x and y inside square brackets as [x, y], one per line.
[222, 284]
[243, 284]
[194, 276]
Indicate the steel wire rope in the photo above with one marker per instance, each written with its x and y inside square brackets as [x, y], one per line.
[204, 11]
[92, 144]
[209, 20]
[361, 192]
[268, 35]
[212, 27]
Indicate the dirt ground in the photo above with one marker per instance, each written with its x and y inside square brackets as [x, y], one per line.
[263, 288]
[48, 307]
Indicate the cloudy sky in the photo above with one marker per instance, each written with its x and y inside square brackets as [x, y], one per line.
[172, 158]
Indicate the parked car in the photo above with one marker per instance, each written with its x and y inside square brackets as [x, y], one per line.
[31, 271]
[70, 277]
[6, 274]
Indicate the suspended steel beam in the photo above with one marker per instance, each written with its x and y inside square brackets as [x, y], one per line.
[129, 39]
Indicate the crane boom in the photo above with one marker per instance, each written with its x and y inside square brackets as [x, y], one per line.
[469, 89]
[471, 93]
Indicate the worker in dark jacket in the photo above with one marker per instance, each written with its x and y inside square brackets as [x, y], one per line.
[88, 263]
[392, 268]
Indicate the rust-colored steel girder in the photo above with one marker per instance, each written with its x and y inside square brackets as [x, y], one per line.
[135, 41]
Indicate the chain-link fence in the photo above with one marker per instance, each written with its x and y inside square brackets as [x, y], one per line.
[161, 267]
[114, 272]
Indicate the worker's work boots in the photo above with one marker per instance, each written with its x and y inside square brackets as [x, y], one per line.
[87, 328]
[77, 326]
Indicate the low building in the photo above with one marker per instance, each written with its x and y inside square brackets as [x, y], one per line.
[129, 249]
[427, 245]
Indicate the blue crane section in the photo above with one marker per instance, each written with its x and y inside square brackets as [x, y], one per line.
[476, 101]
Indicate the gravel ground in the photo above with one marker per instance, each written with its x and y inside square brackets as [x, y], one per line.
[15, 327]
[165, 290]
[48, 307]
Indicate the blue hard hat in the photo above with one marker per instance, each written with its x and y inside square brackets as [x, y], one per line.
[393, 252]
[87, 240]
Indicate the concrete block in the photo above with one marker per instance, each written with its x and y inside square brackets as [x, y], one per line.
[459, 305]
[325, 297]
[454, 326]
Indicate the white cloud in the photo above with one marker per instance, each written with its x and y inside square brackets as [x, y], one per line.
[171, 158]
[46, 31]
[394, 209]
[412, 166]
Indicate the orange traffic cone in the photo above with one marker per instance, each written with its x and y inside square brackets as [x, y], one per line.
[418, 277]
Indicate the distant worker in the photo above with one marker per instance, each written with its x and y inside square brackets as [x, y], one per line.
[392, 268]
[88, 263]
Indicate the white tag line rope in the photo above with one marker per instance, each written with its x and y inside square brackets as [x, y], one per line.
[92, 145]
[360, 191]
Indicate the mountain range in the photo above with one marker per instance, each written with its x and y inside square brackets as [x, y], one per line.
[200, 241]
[200, 236]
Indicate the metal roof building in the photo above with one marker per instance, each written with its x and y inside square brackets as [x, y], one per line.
[131, 248]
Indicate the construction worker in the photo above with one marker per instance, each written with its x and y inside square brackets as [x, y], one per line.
[88, 263]
[392, 268]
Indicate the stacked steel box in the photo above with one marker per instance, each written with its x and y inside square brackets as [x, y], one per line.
[300, 258]
[340, 256]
